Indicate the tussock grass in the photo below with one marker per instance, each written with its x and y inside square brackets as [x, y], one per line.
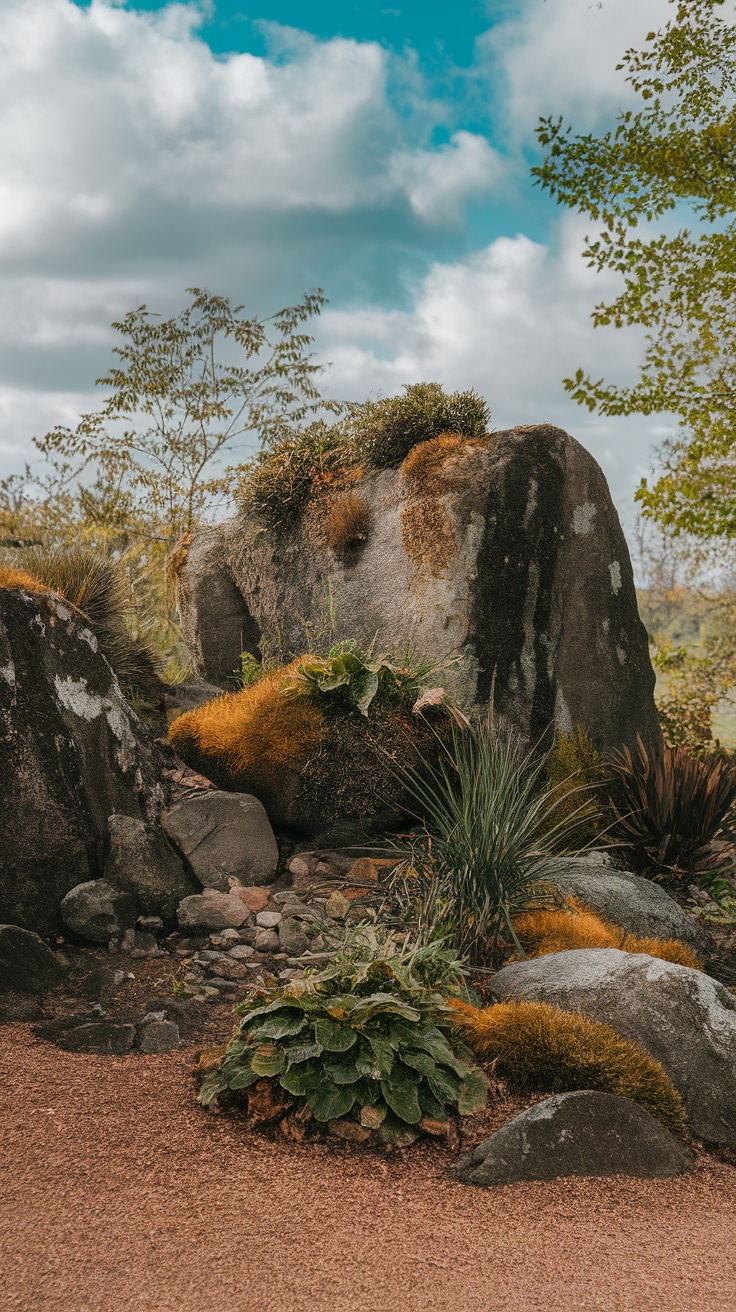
[543, 1047]
[574, 926]
[346, 523]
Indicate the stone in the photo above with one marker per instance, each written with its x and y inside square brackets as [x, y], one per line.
[98, 911]
[27, 965]
[682, 1017]
[439, 1129]
[142, 862]
[637, 905]
[581, 1133]
[146, 943]
[211, 910]
[223, 837]
[226, 936]
[158, 1034]
[292, 938]
[512, 558]
[268, 919]
[254, 898]
[73, 753]
[229, 969]
[369, 869]
[350, 1131]
[150, 924]
[241, 952]
[267, 940]
[101, 1036]
[337, 905]
[296, 910]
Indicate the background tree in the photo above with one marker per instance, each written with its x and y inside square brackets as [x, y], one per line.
[675, 156]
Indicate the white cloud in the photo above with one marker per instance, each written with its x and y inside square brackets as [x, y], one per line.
[438, 182]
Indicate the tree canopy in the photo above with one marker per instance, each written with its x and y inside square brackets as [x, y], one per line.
[672, 161]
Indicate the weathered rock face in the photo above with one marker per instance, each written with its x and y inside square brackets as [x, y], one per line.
[583, 1133]
[510, 556]
[141, 862]
[225, 837]
[26, 963]
[635, 904]
[71, 753]
[683, 1018]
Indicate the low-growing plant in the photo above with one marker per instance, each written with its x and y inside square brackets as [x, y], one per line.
[251, 669]
[385, 431]
[356, 675]
[575, 771]
[562, 929]
[543, 1047]
[369, 1036]
[278, 482]
[490, 830]
[674, 805]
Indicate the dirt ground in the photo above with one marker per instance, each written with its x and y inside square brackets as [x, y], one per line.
[119, 1193]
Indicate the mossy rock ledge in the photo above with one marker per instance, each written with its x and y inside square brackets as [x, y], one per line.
[506, 552]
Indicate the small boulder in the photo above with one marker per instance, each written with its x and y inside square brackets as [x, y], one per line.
[638, 905]
[26, 963]
[267, 940]
[255, 898]
[98, 911]
[100, 1036]
[211, 910]
[142, 862]
[292, 939]
[582, 1133]
[224, 837]
[268, 919]
[156, 1034]
[681, 1017]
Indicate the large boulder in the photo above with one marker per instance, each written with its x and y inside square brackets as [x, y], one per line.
[141, 862]
[98, 911]
[582, 1133]
[26, 963]
[225, 838]
[509, 554]
[682, 1017]
[637, 905]
[73, 753]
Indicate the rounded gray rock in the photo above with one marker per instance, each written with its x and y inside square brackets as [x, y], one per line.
[158, 1036]
[637, 905]
[224, 838]
[142, 862]
[581, 1133]
[268, 919]
[211, 910]
[98, 911]
[682, 1017]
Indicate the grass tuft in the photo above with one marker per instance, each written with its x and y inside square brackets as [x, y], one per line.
[574, 926]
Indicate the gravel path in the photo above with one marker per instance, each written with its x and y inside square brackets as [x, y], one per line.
[118, 1193]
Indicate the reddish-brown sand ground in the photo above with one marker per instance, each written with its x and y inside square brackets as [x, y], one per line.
[118, 1193]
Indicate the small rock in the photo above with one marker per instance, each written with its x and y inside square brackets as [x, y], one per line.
[98, 911]
[351, 1131]
[437, 1128]
[210, 954]
[225, 936]
[211, 910]
[222, 985]
[150, 924]
[158, 1035]
[582, 1133]
[153, 1015]
[368, 869]
[337, 906]
[127, 943]
[241, 952]
[292, 939]
[223, 836]
[228, 969]
[267, 940]
[26, 963]
[101, 1036]
[146, 943]
[300, 867]
[254, 898]
[268, 919]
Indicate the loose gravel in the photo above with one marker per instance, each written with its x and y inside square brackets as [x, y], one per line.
[119, 1193]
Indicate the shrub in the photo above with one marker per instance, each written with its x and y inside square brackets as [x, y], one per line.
[96, 585]
[277, 483]
[543, 1047]
[573, 926]
[385, 431]
[369, 1036]
[674, 803]
[346, 523]
[489, 834]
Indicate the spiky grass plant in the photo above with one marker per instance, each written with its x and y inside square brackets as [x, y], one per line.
[384, 432]
[544, 1047]
[490, 830]
[574, 926]
[674, 804]
[96, 585]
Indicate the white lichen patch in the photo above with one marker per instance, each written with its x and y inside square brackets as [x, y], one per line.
[621, 655]
[614, 569]
[86, 635]
[582, 519]
[75, 696]
[63, 611]
[563, 718]
[7, 672]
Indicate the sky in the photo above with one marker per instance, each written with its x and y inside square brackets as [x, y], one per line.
[262, 147]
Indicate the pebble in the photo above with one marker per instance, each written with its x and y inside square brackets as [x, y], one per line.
[242, 952]
[254, 898]
[268, 919]
[225, 985]
[209, 954]
[267, 940]
[337, 906]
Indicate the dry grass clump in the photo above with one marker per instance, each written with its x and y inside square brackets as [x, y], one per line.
[425, 469]
[430, 470]
[251, 737]
[19, 580]
[574, 926]
[346, 523]
[427, 535]
[544, 1047]
[576, 771]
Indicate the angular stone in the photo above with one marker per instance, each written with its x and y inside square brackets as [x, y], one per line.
[158, 1036]
[211, 910]
[350, 1131]
[368, 869]
[98, 911]
[292, 938]
[26, 963]
[637, 905]
[101, 1036]
[682, 1017]
[142, 862]
[224, 837]
[267, 940]
[268, 919]
[254, 898]
[337, 905]
[229, 969]
[581, 1133]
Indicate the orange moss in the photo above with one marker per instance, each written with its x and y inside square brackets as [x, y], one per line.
[346, 522]
[254, 735]
[427, 535]
[426, 468]
[20, 580]
[574, 926]
[545, 1047]
[430, 470]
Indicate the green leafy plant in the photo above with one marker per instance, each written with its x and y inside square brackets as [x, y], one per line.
[369, 1036]
[490, 829]
[674, 804]
[356, 675]
[385, 431]
[575, 772]
[251, 669]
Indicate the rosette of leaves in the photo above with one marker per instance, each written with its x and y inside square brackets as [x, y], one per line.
[356, 676]
[384, 1052]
